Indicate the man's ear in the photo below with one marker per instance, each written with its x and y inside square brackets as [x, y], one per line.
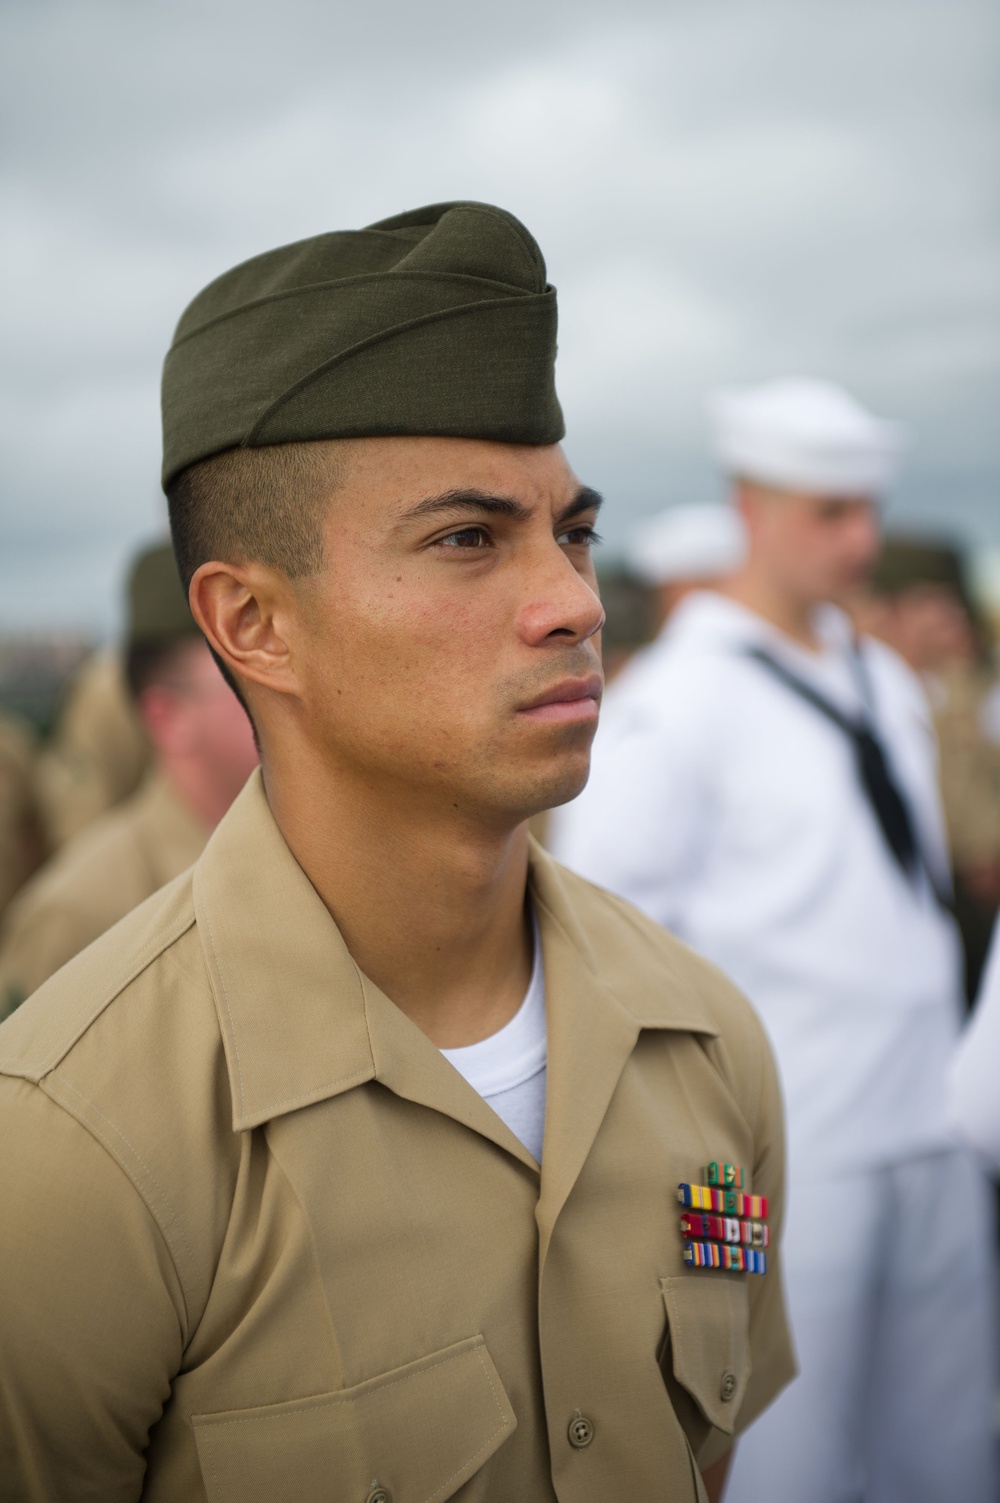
[246, 614]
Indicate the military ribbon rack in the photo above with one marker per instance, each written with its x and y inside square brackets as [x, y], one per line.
[723, 1226]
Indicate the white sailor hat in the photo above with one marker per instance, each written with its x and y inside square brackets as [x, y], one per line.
[804, 435]
[687, 542]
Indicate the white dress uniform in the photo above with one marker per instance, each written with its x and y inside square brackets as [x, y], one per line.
[731, 810]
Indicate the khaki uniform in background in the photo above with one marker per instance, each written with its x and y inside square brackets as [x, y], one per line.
[969, 766]
[21, 845]
[969, 770]
[285, 1251]
[97, 754]
[96, 879]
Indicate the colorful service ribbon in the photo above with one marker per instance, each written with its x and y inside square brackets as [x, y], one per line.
[723, 1202]
[722, 1255]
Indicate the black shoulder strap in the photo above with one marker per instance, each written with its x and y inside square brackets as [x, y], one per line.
[803, 690]
[881, 790]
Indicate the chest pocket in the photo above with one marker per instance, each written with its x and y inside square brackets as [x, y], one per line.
[419, 1431]
[705, 1355]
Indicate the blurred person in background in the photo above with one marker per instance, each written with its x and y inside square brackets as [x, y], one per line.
[918, 600]
[98, 752]
[764, 785]
[203, 753]
[22, 846]
[975, 1071]
[683, 549]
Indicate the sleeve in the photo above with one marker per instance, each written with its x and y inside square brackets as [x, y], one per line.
[974, 1101]
[643, 823]
[91, 1313]
[772, 1356]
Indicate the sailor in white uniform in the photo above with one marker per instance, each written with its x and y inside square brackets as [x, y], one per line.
[765, 787]
[683, 549]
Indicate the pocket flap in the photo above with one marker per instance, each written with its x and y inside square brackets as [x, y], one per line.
[708, 1316]
[420, 1431]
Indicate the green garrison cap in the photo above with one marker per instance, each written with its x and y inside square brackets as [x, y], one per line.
[158, 610]
[439, 321]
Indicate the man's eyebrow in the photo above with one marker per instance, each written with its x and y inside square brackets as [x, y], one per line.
[585, 499]
[499, 506]
[468, 500]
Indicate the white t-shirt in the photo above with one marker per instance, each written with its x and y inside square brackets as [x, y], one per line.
[508, 1069]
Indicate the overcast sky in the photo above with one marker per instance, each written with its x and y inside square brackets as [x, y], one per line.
[723, 190]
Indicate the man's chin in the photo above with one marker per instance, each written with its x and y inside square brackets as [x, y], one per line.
[555, 786]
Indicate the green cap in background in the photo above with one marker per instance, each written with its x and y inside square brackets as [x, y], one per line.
[439, 321]
[907, 560]
[158, 610]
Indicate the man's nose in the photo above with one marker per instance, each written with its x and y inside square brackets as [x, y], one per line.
[561, 602]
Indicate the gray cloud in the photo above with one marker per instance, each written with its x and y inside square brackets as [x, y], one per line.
[723, 190]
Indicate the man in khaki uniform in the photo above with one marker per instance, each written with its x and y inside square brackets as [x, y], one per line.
[345, 1168]
[97, 754]
[203, 754]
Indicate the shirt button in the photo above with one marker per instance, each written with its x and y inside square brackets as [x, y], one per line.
[581, 1430]
[378, 1494]
[729, 1386]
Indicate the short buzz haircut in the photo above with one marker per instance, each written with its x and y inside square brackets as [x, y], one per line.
[264, 505]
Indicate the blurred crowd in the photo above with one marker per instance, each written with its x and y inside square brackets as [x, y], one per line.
[148, 749]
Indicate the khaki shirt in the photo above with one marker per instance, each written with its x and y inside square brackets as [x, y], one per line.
[97, 754]
[98, 877]
[261, 1241]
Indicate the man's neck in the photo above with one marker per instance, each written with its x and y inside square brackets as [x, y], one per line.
[431, 909]
[790, 614]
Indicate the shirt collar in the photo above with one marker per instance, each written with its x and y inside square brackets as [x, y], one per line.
[707, 618]
[300, 1022]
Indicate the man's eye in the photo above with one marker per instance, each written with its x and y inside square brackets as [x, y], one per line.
[587, 536]
[468, 537]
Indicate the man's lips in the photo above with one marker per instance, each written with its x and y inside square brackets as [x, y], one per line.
[570, 699]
